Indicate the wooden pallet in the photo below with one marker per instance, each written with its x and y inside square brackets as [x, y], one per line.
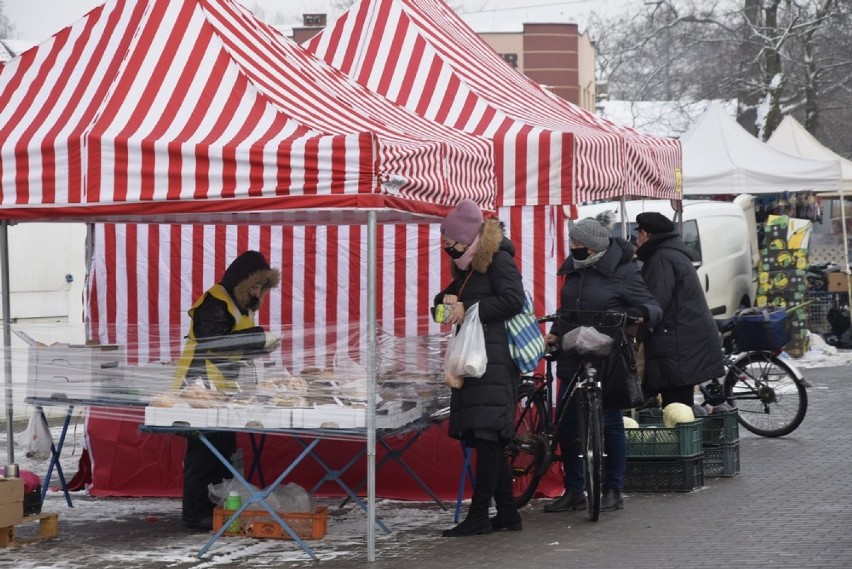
[48, 528]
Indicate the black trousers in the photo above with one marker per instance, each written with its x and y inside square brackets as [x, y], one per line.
[678, 394]
[201, 468]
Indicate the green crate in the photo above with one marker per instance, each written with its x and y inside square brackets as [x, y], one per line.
[682, 440]
[664, 475]
[721, 428]
[722, 460]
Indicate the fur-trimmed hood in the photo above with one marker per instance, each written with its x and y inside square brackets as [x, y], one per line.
[491, 239]
[244, 273]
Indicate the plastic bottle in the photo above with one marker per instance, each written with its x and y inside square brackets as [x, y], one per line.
[232, 503]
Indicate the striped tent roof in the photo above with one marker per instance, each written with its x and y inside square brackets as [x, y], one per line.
[548, 151]
[193, 110]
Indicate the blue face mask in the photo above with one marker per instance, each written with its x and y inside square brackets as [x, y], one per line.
[580, 253]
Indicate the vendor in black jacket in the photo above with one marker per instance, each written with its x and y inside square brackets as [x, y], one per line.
[222, 336]
[482, 410]
[684, 349]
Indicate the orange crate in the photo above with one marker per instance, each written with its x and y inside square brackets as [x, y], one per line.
[258, 523]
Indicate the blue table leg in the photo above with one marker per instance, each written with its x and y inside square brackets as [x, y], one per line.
[396, 454]
[55, 452]
[467, 472]
[335, 476]
[257, 451]
[257, 497]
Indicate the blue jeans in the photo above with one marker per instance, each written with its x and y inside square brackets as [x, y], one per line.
[615, 447]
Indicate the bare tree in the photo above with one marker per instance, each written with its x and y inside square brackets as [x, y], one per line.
[775, 57]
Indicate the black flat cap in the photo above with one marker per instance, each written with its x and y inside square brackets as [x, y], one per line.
[654, 223]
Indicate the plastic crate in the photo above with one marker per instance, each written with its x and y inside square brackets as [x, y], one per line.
[721, 428]
[32, 502]
[664, 475]
[682, 440]
[722, 460]
[258, 523]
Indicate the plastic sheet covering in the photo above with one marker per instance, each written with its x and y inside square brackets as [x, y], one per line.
[310, 386]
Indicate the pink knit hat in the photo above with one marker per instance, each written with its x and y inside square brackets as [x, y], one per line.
[463, 223]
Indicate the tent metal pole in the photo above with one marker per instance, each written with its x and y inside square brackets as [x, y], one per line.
[845, 246]
[371, 383]
[7, 340]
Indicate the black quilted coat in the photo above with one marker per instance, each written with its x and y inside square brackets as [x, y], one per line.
[484, 407]
[684, 348]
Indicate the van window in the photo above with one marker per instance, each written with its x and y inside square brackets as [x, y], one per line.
[691, 237]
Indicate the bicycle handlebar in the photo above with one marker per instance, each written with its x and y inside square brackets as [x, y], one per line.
[556, 316]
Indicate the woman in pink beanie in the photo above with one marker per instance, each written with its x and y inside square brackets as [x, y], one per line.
[482, 410]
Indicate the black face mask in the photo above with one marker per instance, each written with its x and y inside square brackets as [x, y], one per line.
[453, 252]
[580, 253]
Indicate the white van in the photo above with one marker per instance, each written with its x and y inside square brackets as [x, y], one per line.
[723, 234]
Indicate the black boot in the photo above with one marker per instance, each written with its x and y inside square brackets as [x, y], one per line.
[611, 500]
[507, 516]
[508, 519]
[489, 457]
[476, 523]
[570, 500]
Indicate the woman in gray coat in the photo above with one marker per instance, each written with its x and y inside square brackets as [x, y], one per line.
[482, 411]
[684, 349]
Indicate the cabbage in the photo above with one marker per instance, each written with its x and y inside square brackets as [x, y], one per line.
[675, 413]
[630, 423]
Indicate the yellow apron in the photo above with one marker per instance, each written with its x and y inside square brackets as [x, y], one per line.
[214, 374]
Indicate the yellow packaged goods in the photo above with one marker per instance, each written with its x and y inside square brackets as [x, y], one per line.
[11, 501]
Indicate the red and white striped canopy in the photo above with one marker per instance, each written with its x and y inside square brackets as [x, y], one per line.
[420, 54]
[173, 110]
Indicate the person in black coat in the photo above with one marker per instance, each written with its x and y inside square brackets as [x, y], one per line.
[684, 349]
[482, 410]
[600, 275]
[222, 336]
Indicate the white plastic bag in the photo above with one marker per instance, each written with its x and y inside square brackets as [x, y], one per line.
[466, 355]
[35, 440]
[587, 340]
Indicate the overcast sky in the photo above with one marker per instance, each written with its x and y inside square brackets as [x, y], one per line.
[36, 20]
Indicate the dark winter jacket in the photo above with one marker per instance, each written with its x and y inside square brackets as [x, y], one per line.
[611, 284]
[684, 348]
[485, 407]
[223, 332]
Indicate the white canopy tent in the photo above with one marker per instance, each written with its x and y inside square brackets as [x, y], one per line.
[791, 137]
[721, 157]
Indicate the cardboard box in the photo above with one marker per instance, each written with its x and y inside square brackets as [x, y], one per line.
[75, 372]
[836, 282]
[11, 501]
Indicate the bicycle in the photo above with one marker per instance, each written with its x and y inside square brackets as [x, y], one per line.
[769, 394]
[534, 447]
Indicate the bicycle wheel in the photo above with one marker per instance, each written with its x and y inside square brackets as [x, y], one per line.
[591, 421]
[528, 454]
[771, 400]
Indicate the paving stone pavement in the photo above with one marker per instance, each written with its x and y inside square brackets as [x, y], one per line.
[788, 508]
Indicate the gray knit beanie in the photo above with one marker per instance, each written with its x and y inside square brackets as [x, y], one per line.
[590, 233]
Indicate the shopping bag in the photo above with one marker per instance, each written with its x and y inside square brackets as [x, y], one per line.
[466, 355]
[526, 342]
[35, 440]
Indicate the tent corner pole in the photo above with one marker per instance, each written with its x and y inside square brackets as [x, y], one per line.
[372, 235]
[7, 340]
